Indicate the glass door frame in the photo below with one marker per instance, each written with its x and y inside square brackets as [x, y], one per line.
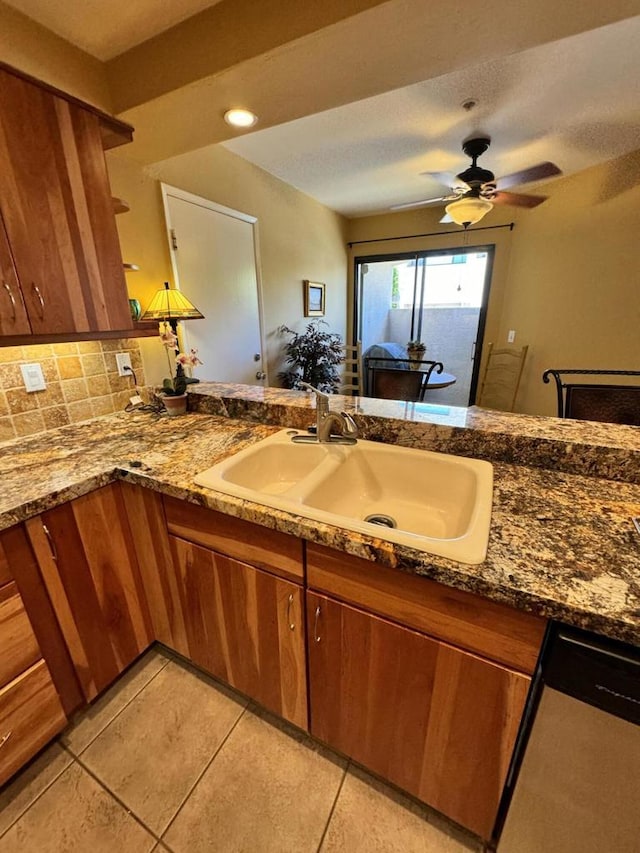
[489, 248]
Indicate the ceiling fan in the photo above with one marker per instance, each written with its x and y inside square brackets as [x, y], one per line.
[476, 190]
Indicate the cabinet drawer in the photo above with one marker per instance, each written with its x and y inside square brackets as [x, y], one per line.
[18, 642]
[268, 549]
[464, 619]
[30, 715]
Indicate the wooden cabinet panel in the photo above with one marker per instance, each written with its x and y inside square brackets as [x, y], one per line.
[13, 314]
[56, 203]
[15, 552]
[19, 646]
[276, 552]
[145, 512]
[437, 721]
[245, 627]
[89, 566]
[30, 715]
[494, 630]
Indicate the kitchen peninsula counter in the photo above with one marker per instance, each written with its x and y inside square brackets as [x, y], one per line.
[562, 545]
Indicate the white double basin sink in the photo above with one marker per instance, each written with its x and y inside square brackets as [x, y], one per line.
[432, 502]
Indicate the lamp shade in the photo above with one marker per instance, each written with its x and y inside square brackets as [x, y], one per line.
[171, 305]
[466, 211]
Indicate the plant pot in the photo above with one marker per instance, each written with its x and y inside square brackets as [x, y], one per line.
[176, 405]
[415, 357]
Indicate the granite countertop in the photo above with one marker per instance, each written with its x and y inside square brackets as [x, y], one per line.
[562, 545]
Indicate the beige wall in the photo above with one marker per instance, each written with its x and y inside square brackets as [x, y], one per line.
[572, 291]
[566, 278]
[37, 51]
[299, 238]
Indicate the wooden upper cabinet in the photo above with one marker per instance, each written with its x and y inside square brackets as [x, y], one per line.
[89, 566]
[56, 204]
[435, 720]
[13, 312]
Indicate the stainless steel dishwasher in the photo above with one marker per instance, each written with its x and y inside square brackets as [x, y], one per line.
[575, 785]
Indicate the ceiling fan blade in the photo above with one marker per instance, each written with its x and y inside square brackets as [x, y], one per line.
[421, 203]
[528, 176]
[518, 199]
[448, 179]
[446, 218]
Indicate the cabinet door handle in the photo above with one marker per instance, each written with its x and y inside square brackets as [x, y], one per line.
[36, 290]
[292, 625]
[52, 544]
[13, 301]
[316, 636]
[4, 739]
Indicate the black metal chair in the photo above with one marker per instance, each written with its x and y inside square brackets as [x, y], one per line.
[389, 378]
[587, 401]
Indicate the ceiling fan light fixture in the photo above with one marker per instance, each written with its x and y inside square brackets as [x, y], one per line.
[468, 211]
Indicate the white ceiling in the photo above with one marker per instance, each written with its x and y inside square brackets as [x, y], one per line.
[575, 102]
[106, 28]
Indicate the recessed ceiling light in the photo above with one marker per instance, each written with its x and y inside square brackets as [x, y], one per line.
[240, 118]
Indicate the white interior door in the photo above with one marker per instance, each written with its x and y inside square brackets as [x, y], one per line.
[214, 257]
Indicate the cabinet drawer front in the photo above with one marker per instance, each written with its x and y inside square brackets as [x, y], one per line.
[17, 641]
[437, 721]
[465, 619]
[30, 715]
[268, 549]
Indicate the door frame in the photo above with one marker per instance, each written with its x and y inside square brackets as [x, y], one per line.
[169, 191]
[489, 248]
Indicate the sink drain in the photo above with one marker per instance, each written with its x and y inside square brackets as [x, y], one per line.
[382, 520]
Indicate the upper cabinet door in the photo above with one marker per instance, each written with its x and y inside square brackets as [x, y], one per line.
[13, 314]
[56, 203]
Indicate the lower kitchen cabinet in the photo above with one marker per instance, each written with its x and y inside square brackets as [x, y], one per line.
[31, 712]
[88, 563]
[30, 715]
[244, 626]
[437, 721]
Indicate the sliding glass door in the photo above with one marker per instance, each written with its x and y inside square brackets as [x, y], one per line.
[437, 297]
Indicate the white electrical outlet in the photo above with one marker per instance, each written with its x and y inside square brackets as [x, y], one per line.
[32, 377]
[123, 360]
[511, 336]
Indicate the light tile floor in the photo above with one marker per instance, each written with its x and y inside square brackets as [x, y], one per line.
[169, 760]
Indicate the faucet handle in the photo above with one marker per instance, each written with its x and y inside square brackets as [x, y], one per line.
[316, 391]
[350, 427]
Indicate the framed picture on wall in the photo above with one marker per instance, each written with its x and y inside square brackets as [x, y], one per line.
[314, 292]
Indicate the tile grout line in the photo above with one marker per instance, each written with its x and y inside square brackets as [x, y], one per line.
[120, 802]
[200, 775]
[115, 717]
[333, 806]
[42, 792]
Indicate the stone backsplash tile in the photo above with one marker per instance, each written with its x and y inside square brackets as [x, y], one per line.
[82, 382]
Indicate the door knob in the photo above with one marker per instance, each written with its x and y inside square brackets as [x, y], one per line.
[261, 374]
[257, 356]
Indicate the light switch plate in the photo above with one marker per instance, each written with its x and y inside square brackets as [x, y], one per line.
[511, 336]
[32, 377]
